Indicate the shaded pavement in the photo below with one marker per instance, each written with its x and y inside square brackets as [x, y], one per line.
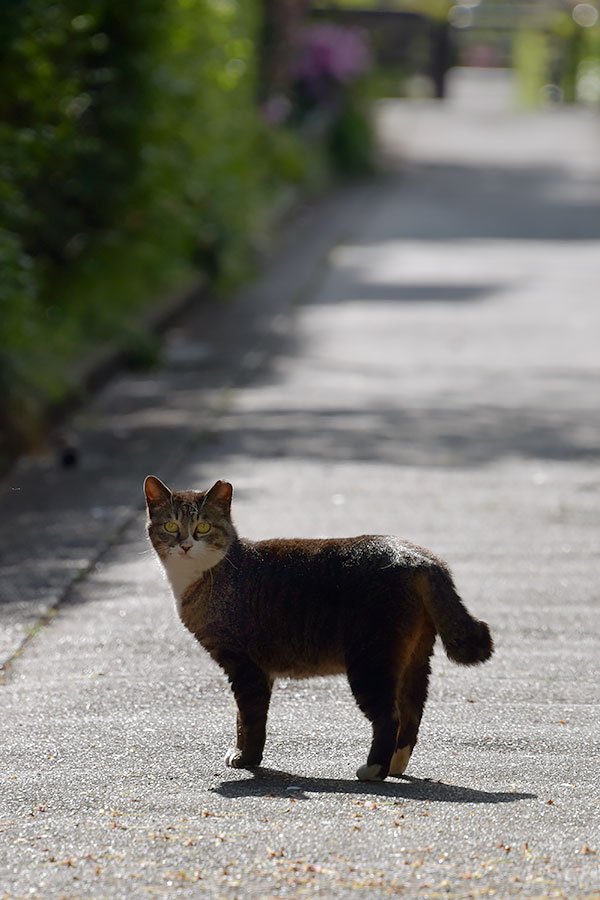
[420, 358]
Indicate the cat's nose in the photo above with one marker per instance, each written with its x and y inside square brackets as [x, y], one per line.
[185, 546]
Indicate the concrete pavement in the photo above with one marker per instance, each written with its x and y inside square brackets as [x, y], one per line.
[420, 358]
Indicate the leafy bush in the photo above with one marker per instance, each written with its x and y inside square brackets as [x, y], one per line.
[531, 59]
[19, 337]
[329, 79]
[131, 147]
[561, 64]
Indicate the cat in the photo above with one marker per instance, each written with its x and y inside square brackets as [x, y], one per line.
[367, 606]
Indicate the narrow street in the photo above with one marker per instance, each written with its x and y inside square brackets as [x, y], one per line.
[420, 357]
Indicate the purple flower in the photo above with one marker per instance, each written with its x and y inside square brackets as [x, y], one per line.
[329, 56]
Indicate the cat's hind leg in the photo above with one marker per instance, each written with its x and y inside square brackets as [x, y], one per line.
[252, 691]
[400, 760]
[374, 687]
[411, 701]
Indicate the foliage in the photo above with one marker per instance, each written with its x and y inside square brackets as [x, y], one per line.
[350, 138]
[581, 58]
[435, 9]
[131, 146]
[531, 57]
[562, 61]
[329, 78]
[19, 337]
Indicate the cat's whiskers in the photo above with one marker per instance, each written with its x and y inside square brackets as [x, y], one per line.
[147, 552]
[233, 566]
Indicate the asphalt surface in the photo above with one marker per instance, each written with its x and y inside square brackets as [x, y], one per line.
[420, 357]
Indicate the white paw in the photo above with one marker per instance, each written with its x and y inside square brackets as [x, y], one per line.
[400, 760]
[369, 773]
[233, 758]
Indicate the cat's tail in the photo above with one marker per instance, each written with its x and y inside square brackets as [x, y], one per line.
[466, 640]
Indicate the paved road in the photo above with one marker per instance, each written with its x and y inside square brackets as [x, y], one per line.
[421, 358]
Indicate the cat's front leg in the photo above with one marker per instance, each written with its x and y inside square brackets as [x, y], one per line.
[252, 691]
[250, 743]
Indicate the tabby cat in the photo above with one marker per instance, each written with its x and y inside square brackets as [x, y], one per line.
[368, 606]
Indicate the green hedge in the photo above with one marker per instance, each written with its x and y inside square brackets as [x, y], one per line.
[131, 145]
[561, 63]
[133, 151]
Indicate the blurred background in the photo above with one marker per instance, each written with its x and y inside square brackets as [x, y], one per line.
[150, 145]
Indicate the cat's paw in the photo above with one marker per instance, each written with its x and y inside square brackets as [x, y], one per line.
[400, 760]
[370, 773]
[235, 759]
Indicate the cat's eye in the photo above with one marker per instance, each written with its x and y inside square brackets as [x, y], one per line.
[171, 527]
[202, 528]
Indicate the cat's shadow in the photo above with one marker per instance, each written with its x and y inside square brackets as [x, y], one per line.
[264, 782]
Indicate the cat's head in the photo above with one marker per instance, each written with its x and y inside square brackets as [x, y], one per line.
[190, 530]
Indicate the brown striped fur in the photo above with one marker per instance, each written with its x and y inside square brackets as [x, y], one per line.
[367, 606]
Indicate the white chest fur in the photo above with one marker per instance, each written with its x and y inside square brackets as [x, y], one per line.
[184, 570]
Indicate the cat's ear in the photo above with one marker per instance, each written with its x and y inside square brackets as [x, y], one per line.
[220, 495]
[156, 491]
